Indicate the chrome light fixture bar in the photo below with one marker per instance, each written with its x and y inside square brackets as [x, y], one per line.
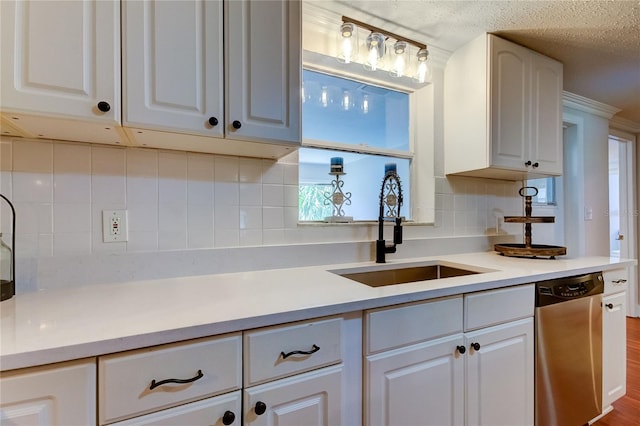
[401, 62]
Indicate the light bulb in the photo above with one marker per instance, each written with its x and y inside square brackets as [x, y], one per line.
[423, 69]
[324, 98]
[375, 45]
[399, 65]
[347, 31]
[365, 104]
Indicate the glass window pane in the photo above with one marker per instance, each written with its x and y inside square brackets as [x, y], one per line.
[336, 109]
[362, 178]
[546, 190]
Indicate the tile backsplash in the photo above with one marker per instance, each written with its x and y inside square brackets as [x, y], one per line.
[181, 200]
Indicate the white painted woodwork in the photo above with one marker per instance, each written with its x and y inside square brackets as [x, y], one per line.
[206, 412]
[615, 281]
[59, 59]
[173, 66]
[614, 346]
[511, 114]
[313, 398]
[254, 77]
[500, 376]
[263, 349]
[417, 384]
[263, 56]
[487, 308]
[387, 328]
[125, 378]
[64, 394]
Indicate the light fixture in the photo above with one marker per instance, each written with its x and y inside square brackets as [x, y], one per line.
[399, 58]
[348, 40]
[424, 73]
[402, 60]
[375, 50]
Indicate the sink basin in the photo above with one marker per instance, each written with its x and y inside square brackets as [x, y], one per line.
[384, 276]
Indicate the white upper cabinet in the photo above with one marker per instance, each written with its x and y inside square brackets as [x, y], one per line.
[503, 111]
[61, 69]
[173, 66]
[185, 88]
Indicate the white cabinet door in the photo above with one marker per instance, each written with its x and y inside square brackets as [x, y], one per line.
[614, 345]
[500, 375]
[220, 410]
[173, 65]
[60, 58]
[546, 115]
[53, 395]
[509, 92]
[313, 398]
[263, 48]
[418, 384]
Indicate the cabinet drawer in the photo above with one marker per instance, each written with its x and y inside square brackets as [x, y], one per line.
[487, 308]
[210, 411]
[391, 327]
[616, 280]
[126, 380]
[272, 352]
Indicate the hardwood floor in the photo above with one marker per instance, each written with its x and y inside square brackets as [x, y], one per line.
[626, 410]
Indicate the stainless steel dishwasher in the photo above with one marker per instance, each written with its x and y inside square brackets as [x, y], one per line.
[569, 350]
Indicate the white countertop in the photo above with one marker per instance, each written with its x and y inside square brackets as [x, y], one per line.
[51, 326]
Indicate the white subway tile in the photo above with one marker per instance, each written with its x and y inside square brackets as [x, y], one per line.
[71, 188]
[226, 194]
[172, 218]
[290, 174]
[273, 217]
[250, 217]
[172, 240]
[142, 176]
[108, 189]
[291, 196]
[142, 217]
[33, 218]
[71, 158]
[250, 237]
[250, 194]
[172, 177]
[6, 156]
[226, 238]
[271, 237]
[250, 170]
[142, 241]
[74, 243]
[200, 175]
[199, 227]
[226, 169]
[272, 172]
[273, 195]
[32, 187]
[32, 156]
[291, 217]
[71, 218]
[108, 161]
[226, 217]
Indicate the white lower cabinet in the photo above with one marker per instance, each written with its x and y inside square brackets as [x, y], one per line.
[313, 398]
[614, 337]
[483, 376]
[61, 394]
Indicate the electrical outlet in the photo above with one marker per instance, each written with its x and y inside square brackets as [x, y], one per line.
[114, 226]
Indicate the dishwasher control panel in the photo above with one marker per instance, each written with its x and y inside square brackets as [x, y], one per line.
[558, 290]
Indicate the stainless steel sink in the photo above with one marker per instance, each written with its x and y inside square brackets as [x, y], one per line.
[406, 274]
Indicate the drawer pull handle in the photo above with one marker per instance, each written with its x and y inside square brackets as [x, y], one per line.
[461, 349]
[620, 281]
[609, 305]
[475, 346]
[314, 349]
[155, 384]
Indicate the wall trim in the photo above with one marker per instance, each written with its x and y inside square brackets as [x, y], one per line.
[625, 125]
[571, 100]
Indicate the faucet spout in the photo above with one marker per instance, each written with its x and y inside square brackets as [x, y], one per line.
[391, 201]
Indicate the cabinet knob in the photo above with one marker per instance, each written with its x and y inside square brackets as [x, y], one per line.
[260, 408]
[213, 121]
[609, 305]
[104, 106]
[236, 124]
[461, 349]
[475, 346]
[528, 163]
[228, 417]
[535, 164]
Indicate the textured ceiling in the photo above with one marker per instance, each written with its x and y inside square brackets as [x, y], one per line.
[597, 41]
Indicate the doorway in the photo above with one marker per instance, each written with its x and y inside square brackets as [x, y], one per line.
[622, 210]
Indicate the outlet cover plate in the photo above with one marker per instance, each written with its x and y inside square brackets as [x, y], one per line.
[114, 226]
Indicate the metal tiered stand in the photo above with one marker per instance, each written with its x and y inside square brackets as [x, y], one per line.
[527, 249]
